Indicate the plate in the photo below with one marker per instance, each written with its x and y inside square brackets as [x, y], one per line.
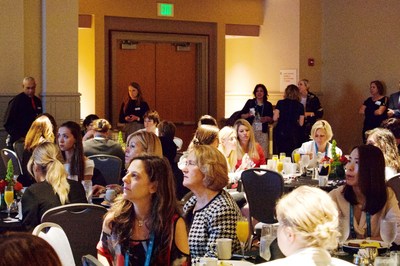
[234, 263]
[351, 249]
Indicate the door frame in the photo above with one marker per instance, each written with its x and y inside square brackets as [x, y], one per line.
[202, 72]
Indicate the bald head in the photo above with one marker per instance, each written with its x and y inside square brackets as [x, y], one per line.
[29, 86]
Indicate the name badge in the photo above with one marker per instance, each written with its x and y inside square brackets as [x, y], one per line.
[137, 108]
[257, 126]
[378, 102]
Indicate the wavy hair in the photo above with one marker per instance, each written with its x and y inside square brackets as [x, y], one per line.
[46, 156]
[40, 131]
[77, 164]
[152, 115]
[204, 135]
[251, 146]
[163, 207]
[312, 215]
[385, 140]
[150, 142]
[224, 134]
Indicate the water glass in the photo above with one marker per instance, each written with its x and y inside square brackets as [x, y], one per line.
[268, 235]
[88, 186]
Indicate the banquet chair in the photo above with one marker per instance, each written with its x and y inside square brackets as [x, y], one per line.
[89, 260]
[6, 155]
[56, 237]
[263, 188]
[109, 166]
[19, 147]
[394, 184]
[82, 223]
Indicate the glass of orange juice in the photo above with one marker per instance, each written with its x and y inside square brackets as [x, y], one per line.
[279, 166]
[242, 232]
[9, 199]
[296, 157]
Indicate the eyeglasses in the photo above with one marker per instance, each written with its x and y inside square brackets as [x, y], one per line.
[185, 163]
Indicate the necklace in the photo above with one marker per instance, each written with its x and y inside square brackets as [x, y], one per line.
[140, 222]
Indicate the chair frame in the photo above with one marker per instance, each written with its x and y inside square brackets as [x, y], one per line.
[99, 157]
[6, 155]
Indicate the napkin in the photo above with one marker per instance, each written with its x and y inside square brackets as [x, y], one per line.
[11, 220]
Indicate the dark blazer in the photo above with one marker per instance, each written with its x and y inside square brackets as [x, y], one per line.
[394, 104]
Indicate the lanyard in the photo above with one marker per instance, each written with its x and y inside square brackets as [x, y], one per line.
[148, 252]
[352, 231]
[257, 107]
[316, 149]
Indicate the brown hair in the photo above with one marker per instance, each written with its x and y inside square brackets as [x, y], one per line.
[152, 115]
[20, 248]
[101, 125]
[139, 96]
[292, 92]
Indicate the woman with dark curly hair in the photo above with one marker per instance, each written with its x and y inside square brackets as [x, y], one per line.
[143, 227]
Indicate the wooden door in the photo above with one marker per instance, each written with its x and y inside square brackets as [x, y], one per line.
[168, 80]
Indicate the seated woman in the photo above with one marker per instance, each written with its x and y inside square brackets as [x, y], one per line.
[143, 226]
[228, 146]
[308, 221]
[52, 188]
[319, 147]
[211, 212]
[87, 127]
[249, 152]
[100, 143]
[151, 120]
[365, 199]
[386, 142]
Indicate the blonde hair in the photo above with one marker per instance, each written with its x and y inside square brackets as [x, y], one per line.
[322, 124]
[224, 134]
[204, 135]
[386, 142]
[150, 142]
[101, 125]
[47, 156]
[251, 146]
[212, 164]
[40, 131]
[312, 215]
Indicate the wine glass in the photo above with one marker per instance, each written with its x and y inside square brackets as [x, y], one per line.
[344, 231]
[305, 161]
[242, 232]
[388, 232]
[9, 199]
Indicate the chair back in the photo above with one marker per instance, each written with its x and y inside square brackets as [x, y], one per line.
[263, 188]
[109, 166]
[394, 184]
[82, 223]
[179, 143]
[56, 237]
[19, 147]
[89, 260]
[6, 155]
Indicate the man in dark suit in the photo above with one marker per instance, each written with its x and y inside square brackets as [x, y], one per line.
[394, 105]
[22, 110]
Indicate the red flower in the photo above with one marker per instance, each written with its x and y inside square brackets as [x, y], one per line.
[3, 184]
[343, 159]
[18, 186]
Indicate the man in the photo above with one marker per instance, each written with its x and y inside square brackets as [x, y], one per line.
[22, 111]
[394, 104]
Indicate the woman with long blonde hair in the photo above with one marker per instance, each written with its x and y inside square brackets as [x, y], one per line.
[249, 152]
[228, 146]
[52, 188]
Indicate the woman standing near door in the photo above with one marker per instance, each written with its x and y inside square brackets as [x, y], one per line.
[133, 109]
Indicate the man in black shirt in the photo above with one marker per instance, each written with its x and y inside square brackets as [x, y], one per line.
[22, 111]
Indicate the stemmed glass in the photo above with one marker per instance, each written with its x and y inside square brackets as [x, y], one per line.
[305, 161]
[344, 231]
[9, 199]
[242, 232]
[388, 231]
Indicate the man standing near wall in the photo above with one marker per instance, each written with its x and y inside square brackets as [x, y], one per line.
[22, 111]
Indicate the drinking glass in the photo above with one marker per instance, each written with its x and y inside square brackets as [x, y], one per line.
[9, 199]
[279, 166]
[388, 232]
[282, 155]
[344, 230]
[242, 232]
[296, 157]
[305, 161]
[268, 235]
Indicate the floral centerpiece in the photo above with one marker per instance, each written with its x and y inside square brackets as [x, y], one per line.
[337, 163]
[9, 180]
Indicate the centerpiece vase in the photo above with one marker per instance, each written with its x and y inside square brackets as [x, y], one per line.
[337, 172]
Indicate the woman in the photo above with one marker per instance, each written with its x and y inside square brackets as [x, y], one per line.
[132, 109]
[151, 120]
[249, 152]
[76, 164]
[308, 221]
[143, 223]
[258, 112]
[365, 199]
[312, 107]
[20, 248]
[211, 212]
[374, 108]
[386, 142]
[289, 113]
[205, 135]
[228, 146]
[40, 131]
[319, 147]
[52, 187]
[88, 132]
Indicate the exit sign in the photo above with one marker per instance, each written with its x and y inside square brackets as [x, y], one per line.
[165, 10]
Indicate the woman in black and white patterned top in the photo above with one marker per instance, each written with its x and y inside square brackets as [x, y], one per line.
[211, 212]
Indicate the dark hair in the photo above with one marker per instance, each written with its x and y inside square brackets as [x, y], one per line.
[89, 119]
[20, 248]
[78, 160]
[371, 179]
[139, 96]
[152, 115]
[262, 86]
[166, 129]
[379, 85]
[207, 120]
[393, 124]
[163, 206]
